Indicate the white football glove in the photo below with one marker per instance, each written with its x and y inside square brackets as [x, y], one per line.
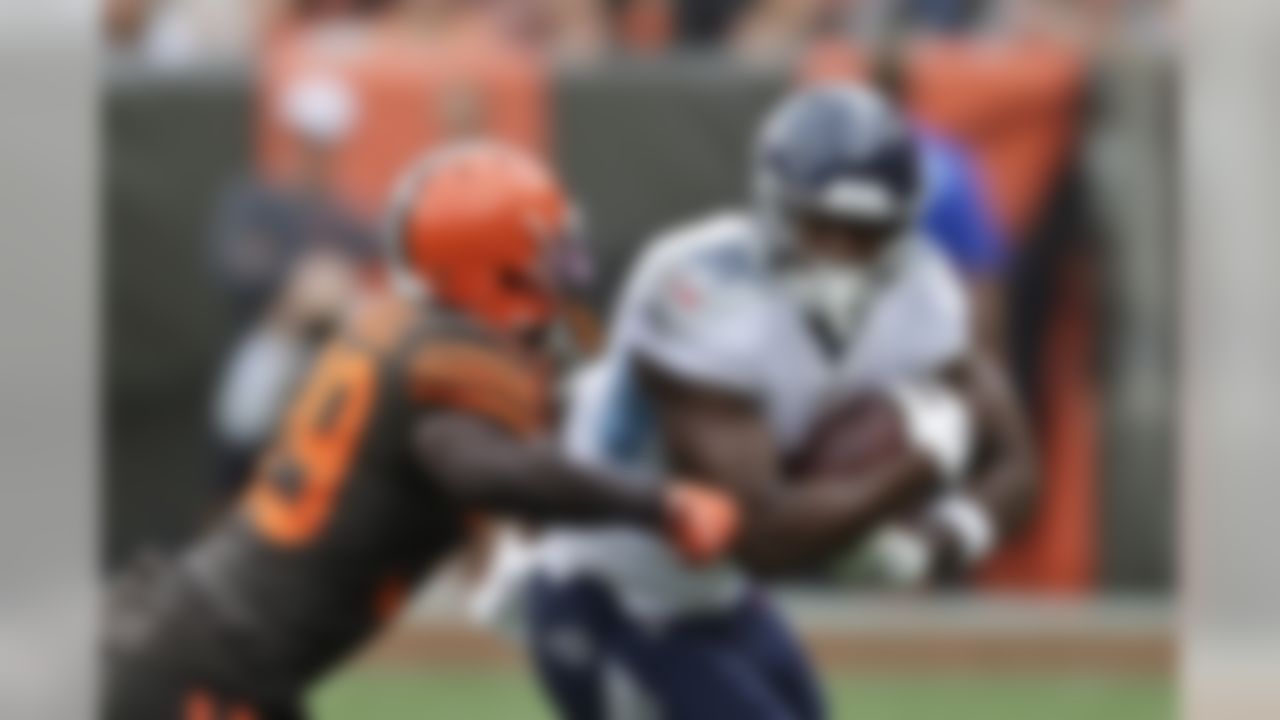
[902, 556]
[939, 423]
[898, 556]
[969, 523]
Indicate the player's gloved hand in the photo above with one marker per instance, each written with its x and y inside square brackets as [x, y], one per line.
[702, 522]
[972, 532]
[939, 423]
[955, 535]
[897, 556]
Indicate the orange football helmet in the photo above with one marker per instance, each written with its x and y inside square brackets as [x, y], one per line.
[490, 231]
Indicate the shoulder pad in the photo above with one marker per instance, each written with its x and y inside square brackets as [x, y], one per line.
[698, 310]
[466, 375]
[707, 271]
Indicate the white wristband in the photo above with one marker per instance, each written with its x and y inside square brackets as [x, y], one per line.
[939, 423]
[970, 523]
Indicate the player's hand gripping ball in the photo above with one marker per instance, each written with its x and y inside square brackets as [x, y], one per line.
[923, 415]
[852, 438]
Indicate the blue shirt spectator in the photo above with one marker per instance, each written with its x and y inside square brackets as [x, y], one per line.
[957, 213]
[262, 231]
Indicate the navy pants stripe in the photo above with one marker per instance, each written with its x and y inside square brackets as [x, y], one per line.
[599, 664]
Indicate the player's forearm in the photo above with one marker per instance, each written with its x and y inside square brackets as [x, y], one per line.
[966, 525]
[1007, 487]
[802, 524]
[963, 528]
[539, 484]
[949, 535]
[1004, 479]
[483, 468]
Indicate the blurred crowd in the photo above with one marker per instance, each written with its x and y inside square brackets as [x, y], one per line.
[173, 32]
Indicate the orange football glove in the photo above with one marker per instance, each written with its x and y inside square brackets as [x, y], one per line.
[702, 522]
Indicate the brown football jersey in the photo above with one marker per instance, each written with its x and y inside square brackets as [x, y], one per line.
[339, 521]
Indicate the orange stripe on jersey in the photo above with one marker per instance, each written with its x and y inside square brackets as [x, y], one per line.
[479, 380]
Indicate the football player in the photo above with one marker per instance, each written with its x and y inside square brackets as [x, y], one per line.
[425, 409]
[734, 334]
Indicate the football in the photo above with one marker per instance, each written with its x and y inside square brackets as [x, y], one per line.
[853, 436]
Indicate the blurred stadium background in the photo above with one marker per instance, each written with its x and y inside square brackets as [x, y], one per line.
[648, 107]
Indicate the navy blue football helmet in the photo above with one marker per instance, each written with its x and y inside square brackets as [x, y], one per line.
[837, 185]
[840, 151]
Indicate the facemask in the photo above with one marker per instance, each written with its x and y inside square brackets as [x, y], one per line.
[835, 295]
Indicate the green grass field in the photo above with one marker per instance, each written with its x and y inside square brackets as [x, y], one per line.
[365, 694]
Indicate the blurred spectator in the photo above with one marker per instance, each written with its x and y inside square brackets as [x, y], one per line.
[574, 28]
[958, 214]
[1086, 24]
[708, 23]
[177, 32]
[443, 21]
[288, 254]
[565, 28]
[957, 210]
[770, 29]
[955, 16]
[264, 226]
[433, 16]
[643, 26]
[322, 9]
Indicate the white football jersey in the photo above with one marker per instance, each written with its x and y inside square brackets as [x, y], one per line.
[703, 305]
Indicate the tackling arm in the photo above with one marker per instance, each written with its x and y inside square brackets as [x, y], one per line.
[485, 468]
[482, 466]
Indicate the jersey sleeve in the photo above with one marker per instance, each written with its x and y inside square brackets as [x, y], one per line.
[467, 376]
[701, 320]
